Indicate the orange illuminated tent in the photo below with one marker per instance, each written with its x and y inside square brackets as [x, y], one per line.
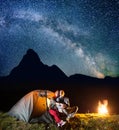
[32, 105]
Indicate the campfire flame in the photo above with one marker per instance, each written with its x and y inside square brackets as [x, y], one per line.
[102, 107]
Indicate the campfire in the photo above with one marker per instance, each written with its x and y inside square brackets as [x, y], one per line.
[102, 107]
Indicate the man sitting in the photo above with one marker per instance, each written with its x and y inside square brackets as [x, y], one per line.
[60, 108]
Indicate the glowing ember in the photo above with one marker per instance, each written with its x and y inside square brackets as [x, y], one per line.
[102, 107]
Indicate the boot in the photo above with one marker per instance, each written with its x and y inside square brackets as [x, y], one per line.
[61, 123]
[71, 111]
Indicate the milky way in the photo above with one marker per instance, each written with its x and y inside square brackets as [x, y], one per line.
[77, 36]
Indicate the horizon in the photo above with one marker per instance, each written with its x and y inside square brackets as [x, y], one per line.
[33, 51]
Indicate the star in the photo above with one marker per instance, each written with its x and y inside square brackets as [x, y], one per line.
[82, 34]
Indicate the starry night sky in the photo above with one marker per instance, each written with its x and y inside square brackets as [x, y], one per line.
[79, 36]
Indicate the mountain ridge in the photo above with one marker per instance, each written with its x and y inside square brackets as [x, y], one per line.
[32, 69]
[32, 65]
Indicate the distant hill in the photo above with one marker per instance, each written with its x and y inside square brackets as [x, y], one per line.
[31, 68]
[32, 74]
[83, 79]
[32, 71]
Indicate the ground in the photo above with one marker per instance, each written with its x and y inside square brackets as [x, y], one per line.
[88, 121]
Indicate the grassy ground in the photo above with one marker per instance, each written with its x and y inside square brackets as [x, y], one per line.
[79, 122]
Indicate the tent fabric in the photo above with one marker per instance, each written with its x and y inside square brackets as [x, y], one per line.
[32, 105]
[45, 118]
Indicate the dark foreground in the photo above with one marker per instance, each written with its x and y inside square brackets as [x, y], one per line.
[79, 122]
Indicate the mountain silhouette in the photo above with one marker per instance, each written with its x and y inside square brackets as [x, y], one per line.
[32, 70]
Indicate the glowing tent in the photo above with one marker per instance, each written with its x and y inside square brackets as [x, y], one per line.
[32, 105]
